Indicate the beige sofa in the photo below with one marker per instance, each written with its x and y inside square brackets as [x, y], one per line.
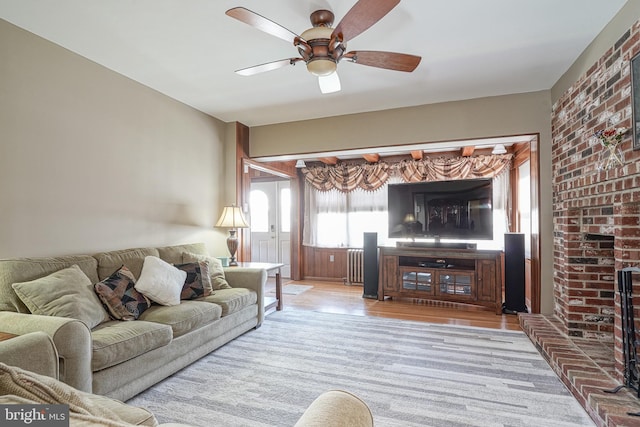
[334, 408]
[117, 358]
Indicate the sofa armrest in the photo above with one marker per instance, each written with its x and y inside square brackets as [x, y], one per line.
[19, 386]
[71, 338]
[250, 278]
[336, 408]
[34, 351]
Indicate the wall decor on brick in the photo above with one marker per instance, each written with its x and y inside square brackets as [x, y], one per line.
[596, 210]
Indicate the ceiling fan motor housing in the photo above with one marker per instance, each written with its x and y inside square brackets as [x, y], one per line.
[316, 53]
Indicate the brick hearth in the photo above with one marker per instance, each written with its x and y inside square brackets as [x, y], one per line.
[586, 367]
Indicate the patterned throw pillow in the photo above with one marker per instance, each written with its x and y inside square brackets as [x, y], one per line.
[216, 272]
[198, 282]
[119, 296]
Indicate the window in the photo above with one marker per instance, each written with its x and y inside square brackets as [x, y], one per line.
[524, 205]
[285, 210]
[259, 205]
[336, 219]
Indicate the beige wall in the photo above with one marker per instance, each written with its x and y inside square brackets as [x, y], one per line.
[508, 115]
[90, 160]
[475, 118]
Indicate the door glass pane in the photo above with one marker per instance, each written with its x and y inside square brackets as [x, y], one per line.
[259, 206]
[424, 277]
[446, 278]
[285, 210]
[463, 279]
[409, 276]
[408, 285]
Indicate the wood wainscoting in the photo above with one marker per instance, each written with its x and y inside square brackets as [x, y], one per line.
[324, 263]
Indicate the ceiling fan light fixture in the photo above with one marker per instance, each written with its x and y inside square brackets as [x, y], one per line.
[321, 67]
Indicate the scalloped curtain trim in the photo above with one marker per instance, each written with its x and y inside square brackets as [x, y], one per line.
[371, 177]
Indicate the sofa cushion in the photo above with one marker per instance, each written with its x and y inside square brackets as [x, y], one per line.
[108, 262]
[218, 280]
[232, 300]
[183, 318]
[116, 342]
[65, 293]
[161, 281]
[198, 282]
[119, 296]
[173, 254]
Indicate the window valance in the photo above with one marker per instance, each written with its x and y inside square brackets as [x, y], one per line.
[346, 178]
[370, 177]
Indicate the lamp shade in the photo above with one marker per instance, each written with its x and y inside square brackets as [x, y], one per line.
[232, 217]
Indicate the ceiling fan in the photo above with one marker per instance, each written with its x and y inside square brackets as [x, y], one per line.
[323, 47]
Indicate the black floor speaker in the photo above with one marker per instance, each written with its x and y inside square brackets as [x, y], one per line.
[370, 261]
[514, 298]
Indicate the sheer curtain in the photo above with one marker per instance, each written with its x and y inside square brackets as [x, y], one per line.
[501, 208]
[336, 219]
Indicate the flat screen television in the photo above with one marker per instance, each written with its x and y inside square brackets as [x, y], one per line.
[459, 209]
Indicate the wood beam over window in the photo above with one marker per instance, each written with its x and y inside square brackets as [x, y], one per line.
[372, 158]
[329, 160]
[417, 154]
[467, 151]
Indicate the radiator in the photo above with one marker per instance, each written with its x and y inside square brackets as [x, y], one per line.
[355, 266]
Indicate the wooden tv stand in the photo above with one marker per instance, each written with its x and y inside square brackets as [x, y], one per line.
[467, 276]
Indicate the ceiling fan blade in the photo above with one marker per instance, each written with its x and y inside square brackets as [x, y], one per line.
[261, 23]
[388, 60]
[361, 16]
[256, 69]
[330, 83]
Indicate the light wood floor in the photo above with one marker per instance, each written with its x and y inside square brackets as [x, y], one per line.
[333, 297]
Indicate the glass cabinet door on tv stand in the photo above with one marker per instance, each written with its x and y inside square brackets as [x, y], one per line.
[417, 280]
[458, 283]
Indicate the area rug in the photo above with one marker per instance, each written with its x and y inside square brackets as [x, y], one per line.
[293, 289]
[409, 373]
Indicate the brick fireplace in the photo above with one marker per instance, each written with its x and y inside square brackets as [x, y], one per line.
[596, 212]
[596, 219]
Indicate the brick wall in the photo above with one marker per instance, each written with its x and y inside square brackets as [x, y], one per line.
[595, 212]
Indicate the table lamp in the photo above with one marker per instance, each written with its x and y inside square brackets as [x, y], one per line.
[232, 218]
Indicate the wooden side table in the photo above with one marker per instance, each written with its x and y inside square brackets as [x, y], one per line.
[270, 267]
[6, 336]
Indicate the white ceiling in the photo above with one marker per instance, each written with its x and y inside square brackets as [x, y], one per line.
[189, 49]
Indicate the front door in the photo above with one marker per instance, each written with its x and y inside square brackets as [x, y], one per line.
[270, 207]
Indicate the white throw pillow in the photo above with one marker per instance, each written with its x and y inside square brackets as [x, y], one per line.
[160, 281]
